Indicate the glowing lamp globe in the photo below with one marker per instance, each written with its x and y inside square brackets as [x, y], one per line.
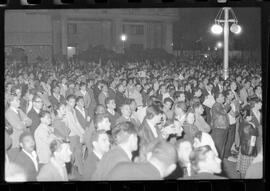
[123, 37]
[235, 28]
[216, 29]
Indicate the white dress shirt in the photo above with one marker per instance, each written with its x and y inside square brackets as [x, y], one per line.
[153, 129]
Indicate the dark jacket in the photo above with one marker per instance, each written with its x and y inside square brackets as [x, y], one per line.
[25, 162]
[109, 161]
[34, 116]
[83, 121]
[90, 165]
[248, 133]
[134, 171]
[220, 118]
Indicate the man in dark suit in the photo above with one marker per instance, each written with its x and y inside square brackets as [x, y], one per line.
[34, 113]
[120, 98]
[112, 89]
[126, 140]
[82, 113]
[100, 145]
[112, 114]
[148, 131]
[27, 157]
[56, 98]
[161, 162]
[93, 102]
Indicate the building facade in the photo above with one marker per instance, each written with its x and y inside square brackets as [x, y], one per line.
[45, 32]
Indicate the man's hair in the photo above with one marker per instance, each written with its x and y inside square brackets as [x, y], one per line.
[25, 134]
[196, 105]
[167, 99]
[253, 100]
[43, 113]
[71, 96]
[152, 111]
[55, 145]
[82, 84]
[122, 131]
[198, 155]
[163, 151]
[79, 98]
[108, 99]
[99, 118]
[36, 97]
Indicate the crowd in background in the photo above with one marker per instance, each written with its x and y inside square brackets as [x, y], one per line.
[144, 119]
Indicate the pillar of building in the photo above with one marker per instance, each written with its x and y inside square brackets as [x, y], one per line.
[117, 31]
[106, 34]
[168, 36]
[64, 35]
[56, 34]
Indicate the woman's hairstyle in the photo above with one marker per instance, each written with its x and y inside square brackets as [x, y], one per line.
[198, 155]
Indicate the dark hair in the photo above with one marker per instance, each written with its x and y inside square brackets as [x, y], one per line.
[43, 113]
[152, 111]
[71, 96]
[122, 131]
[253, 100]
[55, 145]
[82, 84]
[79, 98]
[167, 99]
[36, 97]
[198, 155]
[108, 99]
[196, 105]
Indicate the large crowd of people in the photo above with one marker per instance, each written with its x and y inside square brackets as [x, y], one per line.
[149, 119]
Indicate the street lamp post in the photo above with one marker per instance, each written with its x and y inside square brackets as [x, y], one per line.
[217, 29]
[123, 39]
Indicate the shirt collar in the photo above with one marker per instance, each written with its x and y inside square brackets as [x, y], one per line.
[38, 111]
[126, 151]
[14, 109]
[99, 156]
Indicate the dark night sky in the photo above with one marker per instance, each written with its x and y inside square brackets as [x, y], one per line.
[196, 22]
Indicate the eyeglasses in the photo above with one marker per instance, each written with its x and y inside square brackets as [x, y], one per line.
[38, 101]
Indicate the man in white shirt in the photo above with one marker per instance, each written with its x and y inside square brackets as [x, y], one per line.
[43, 137]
